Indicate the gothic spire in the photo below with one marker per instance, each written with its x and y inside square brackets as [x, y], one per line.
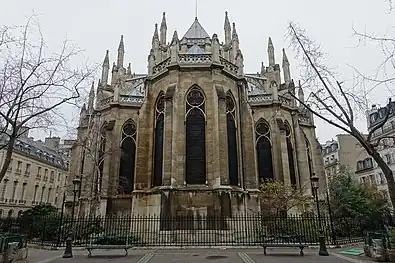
[163, 30]
[227, 29]
[175, 38]
[235, 36]
[155, 37]
[91, 98]
[287, 73]
[105, 69]
[270, 50]
[129, 69]
[121, 53]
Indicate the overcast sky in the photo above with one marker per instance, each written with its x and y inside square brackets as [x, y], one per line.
[96, 25]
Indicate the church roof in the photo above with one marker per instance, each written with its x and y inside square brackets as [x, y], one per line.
[196, 31]
[195, 50]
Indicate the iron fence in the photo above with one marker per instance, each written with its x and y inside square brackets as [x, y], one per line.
[150, 231]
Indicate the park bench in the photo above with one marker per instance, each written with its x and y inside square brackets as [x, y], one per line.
[283, 241]
[108, 247]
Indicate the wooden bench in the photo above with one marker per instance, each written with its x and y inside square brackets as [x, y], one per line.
[92, 247]
[283, 241]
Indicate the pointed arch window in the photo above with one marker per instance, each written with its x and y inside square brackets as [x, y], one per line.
[290, 152]
[158, 140]
[128, 157]
[264, 150]
[233, 165]
[102, 150]
[195, 127]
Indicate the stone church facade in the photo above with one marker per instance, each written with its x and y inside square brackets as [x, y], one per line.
[195, 135]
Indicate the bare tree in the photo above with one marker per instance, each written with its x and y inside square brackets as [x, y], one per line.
[332, 102]
[35, 83]
[95, 147]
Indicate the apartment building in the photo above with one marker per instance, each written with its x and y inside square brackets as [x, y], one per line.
[37, 174]
[342, 151]
[368, 171]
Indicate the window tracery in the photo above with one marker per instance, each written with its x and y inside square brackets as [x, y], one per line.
[264, 150]
[195, 126]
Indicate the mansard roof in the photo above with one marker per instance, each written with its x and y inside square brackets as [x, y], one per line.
[196, 31]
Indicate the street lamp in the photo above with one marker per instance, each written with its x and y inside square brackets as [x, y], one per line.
[315, 184]
[68, 253]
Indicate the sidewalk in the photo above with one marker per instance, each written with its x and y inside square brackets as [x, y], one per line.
[194, 256]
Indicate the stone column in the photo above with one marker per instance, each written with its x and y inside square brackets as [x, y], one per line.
[168, 136]
[302, 160]
[246, 126]
[222, 149]
[275, 136]
[284, 157]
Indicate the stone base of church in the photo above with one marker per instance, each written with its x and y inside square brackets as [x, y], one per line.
[191, 202]
[190, 216]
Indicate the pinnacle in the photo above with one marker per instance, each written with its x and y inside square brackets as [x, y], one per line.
[175, 36]
[270, 44]
[234, 33]
[227, 23]
[285, 58]
[121, 45]
[163, 24]
[106, 61]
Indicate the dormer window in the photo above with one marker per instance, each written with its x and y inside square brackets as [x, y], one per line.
[382, 112]
[373, 117]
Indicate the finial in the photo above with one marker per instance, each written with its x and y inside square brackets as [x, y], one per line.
[121, 45]
[175, 37]
[130, 69]
[106, 61]
[163, 25]
[196, 10]
[270, 44]
[234, 33]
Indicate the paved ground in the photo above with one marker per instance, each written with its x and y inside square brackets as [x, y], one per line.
[193, 255]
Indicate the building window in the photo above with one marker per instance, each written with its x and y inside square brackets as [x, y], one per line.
[27, 171]
[46, 175]
[264, 150]
[4, 189]
[23, 191]
[195, 127]
[58, 177]
[9, 215]
[42, 194]
[52, 178]
[49, 195]
[35, 193]
[19, 167]
[388, 158]
[382, 178]
[158, 140]
[290, 151]
[10, 165]
[128, 158]
[231, 130]
[39, 172]
[372, 178]
[14, 191]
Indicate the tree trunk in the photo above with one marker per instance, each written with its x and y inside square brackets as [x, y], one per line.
[8, 155]
[389, 176]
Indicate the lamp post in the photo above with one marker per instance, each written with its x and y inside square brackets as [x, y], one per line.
[315, 184]
[68, 253]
